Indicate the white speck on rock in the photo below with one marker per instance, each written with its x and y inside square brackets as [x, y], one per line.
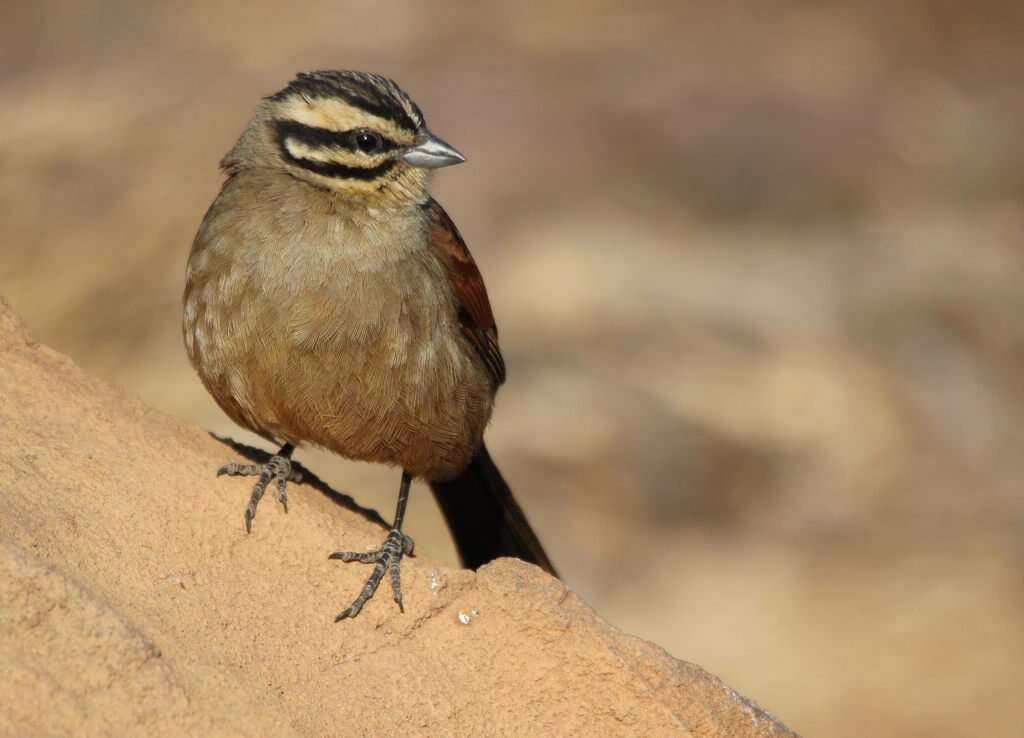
[467, 617]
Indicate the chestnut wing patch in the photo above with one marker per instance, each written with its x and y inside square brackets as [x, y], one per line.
[474, 308]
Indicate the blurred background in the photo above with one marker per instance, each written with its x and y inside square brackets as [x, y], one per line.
[759, 274]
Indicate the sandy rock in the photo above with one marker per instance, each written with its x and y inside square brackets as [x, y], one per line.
[133, 603]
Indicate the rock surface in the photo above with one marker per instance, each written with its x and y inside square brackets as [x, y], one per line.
[133, 603]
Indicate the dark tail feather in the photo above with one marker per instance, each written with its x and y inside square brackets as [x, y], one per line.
[484, 518]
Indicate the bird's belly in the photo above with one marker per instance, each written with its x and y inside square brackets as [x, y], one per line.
[374, 369]
[414, 401]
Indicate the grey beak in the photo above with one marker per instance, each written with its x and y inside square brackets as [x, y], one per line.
[432, 152]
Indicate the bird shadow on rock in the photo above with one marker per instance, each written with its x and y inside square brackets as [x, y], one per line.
[259, 456]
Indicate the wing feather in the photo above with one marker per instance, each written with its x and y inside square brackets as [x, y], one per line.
[475, 314]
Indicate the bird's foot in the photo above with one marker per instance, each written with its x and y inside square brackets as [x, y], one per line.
[278, 469]
[386, 558]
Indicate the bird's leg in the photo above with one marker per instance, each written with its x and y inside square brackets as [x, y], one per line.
[278, 469]
[387, 558]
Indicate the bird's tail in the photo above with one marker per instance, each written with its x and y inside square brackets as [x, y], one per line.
[484, 518]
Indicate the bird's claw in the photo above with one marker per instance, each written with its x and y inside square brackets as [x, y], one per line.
[278, 469]
[387, 558]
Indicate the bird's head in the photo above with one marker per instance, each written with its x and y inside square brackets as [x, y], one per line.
[356, 134]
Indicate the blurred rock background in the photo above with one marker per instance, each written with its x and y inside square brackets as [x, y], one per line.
[759, 273]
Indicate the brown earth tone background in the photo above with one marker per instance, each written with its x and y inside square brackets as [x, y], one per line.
[125, 613]
[759, 273]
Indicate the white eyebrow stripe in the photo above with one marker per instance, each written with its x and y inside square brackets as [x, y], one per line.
[337, 115]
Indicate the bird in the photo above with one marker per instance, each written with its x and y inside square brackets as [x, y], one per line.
[330, 301]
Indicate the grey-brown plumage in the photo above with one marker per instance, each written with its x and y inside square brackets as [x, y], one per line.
[330, 301]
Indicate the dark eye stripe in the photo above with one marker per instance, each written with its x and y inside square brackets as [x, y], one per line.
[322, 138]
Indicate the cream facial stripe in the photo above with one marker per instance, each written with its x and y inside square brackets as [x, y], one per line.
[332, 114]
[300, 150]
[331, 153]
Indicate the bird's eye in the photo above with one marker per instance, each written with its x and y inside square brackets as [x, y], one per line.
[368, 142]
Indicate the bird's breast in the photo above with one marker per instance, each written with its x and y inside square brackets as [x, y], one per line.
[343, 334]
